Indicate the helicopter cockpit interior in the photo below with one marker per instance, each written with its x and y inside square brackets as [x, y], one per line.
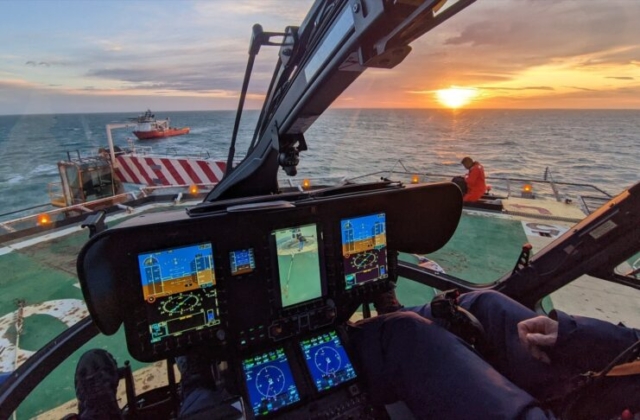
[265, 279]
[265, 287]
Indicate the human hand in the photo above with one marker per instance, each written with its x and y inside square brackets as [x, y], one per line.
[538, 332]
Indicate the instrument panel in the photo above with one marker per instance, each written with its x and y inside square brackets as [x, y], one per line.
[263, 286]
[282, 282]
[245, 276]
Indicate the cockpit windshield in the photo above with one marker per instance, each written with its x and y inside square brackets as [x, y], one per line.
[251, 175]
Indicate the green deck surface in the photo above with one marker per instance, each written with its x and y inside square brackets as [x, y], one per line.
[482, 249]
[37, 274]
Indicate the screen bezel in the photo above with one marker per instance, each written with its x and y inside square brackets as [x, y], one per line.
[307, 368]
[276, 267]
[292, 374]
[343, 270]
[251, 270]
[139, 336]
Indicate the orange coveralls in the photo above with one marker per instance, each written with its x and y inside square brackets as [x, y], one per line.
[476, 186]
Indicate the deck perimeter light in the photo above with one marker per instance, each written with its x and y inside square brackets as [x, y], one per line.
[44, 219]
[193, 189]
[527, 191]
[306, 184]
[415, 179]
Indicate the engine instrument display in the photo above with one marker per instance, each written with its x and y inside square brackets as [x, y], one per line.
[364, 249]
[327, 360]
[270, 384]
[178, 286]
[298, 264]
[242, 261]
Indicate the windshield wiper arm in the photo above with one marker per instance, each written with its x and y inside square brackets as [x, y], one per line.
[258, 39]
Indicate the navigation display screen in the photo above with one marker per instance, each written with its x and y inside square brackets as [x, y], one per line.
[364, 249]
[298, 264]
[327, 360]
[178, 286]
[242, 261]
[270, 384]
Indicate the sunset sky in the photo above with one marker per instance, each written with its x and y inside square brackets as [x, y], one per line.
[127, 56]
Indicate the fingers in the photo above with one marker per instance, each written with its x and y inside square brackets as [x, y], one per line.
[532, 342]
[540, 324]
[546, 340]
[523, 330]
[528, 326]
[536, 333]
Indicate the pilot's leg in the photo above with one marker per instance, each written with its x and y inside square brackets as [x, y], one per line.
[198, 389]
[211, 403]
[404, 356]
[499, 316]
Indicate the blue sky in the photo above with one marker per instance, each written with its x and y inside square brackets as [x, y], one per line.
[101, 56]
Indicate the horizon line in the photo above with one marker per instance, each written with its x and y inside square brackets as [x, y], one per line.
[337, 108]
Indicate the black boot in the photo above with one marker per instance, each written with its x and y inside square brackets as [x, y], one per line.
[96, 383]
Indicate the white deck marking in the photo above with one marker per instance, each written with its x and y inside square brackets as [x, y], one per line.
[551, 231]
[69, 311]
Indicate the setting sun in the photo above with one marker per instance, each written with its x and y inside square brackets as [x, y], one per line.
[455, 97]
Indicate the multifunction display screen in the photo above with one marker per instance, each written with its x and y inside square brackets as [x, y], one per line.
[327, 360]
[178, 286]
[298, 264]
[242, 261]
[270, 384]
[364, 249]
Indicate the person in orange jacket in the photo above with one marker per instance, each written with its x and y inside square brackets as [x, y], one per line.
[476, 185]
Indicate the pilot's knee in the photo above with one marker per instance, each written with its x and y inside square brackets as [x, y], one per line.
[484, 299]
[407, 319]
[408, 328]
[494, 309]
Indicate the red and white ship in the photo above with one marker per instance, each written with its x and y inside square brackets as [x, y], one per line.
[150, 128]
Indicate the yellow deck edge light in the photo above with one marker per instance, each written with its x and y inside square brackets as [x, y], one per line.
[527, 191]
[44, 219]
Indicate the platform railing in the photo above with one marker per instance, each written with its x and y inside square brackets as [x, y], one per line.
[587, 196]
[45, 217]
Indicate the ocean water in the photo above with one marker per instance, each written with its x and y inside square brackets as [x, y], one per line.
[600, 147]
